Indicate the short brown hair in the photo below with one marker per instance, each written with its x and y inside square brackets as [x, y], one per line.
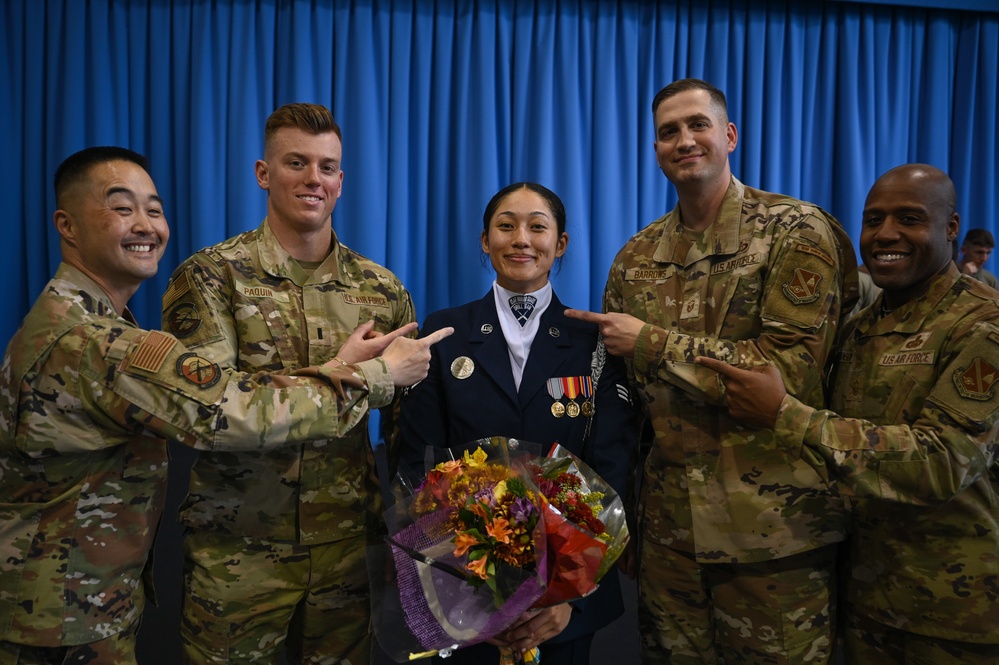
[683, 85]
[312, 118]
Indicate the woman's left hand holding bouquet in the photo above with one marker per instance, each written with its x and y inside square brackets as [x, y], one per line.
[534, 627]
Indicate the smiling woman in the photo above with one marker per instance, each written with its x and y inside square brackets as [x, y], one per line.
[545, 377]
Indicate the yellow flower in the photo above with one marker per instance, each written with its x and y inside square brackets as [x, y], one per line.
[500, 490]
[478, 458]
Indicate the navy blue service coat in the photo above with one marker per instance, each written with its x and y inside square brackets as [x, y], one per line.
[445, 411]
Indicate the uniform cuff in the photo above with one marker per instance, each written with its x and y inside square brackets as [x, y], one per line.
[793, 418]
[648, 349]
[381, 389]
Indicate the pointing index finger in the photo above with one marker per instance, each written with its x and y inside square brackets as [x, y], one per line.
[438, 335]
[584, 315]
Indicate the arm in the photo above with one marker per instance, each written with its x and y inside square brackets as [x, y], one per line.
[795, 330]
[949, 445]
[127, 380]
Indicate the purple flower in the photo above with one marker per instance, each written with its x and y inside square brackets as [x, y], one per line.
[522, 509]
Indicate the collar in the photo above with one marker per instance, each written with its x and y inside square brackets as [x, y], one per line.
[718, 239]
[100, 302]
[909, 317]
[276, 261]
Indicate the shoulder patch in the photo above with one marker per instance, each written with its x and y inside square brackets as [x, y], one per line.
[802, 288]
[152, 351]
[183, 319]
[815, 251]
[178, 287]
[198, 370]
[977, 381]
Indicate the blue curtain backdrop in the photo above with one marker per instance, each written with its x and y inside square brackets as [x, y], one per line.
[443, 102]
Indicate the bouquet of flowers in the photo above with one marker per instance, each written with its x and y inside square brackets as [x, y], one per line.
[491, 532]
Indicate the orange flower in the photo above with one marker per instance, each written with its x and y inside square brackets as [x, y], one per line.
[478, 567]
[478, 509]
[462, 542]
[499, 529]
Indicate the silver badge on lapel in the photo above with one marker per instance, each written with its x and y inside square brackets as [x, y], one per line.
[462, 367]
[486, 328]
[554, 332]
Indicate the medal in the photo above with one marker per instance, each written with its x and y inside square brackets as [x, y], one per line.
[586, 385]
[556, 392]
[462, 367]
[571, 386]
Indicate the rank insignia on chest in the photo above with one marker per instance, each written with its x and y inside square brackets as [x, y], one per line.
[199, 371]
[803, 287]
[916, 341]
[976, 382]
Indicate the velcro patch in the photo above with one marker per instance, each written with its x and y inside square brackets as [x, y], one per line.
[153, 351]
[908, 358]
[917, 341]
[184, 319]
[177, 288]
[648, 274]
[976, 382]
[737, 262]
[815, 251]
[803, 287]
[197, 370]
[370, 301]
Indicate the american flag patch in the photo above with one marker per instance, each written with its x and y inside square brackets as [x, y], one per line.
[153, 350]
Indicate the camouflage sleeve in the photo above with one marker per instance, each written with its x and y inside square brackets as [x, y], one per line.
[196, 309]
[135, 379]
[951, 443]
[799, 311]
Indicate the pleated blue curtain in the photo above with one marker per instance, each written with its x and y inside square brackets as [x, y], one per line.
[442, 102]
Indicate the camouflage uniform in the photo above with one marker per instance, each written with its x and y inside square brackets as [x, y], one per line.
[763, 283]
[87, 404]
[920, 464]
[246, 303]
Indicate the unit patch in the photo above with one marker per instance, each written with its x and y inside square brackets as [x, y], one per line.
[184, 320]
[802, 288]
[976, 382]
[199, 371]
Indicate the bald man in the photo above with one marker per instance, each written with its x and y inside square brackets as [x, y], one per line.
[910, 435]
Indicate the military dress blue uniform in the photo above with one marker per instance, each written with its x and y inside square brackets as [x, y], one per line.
[446, 410]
